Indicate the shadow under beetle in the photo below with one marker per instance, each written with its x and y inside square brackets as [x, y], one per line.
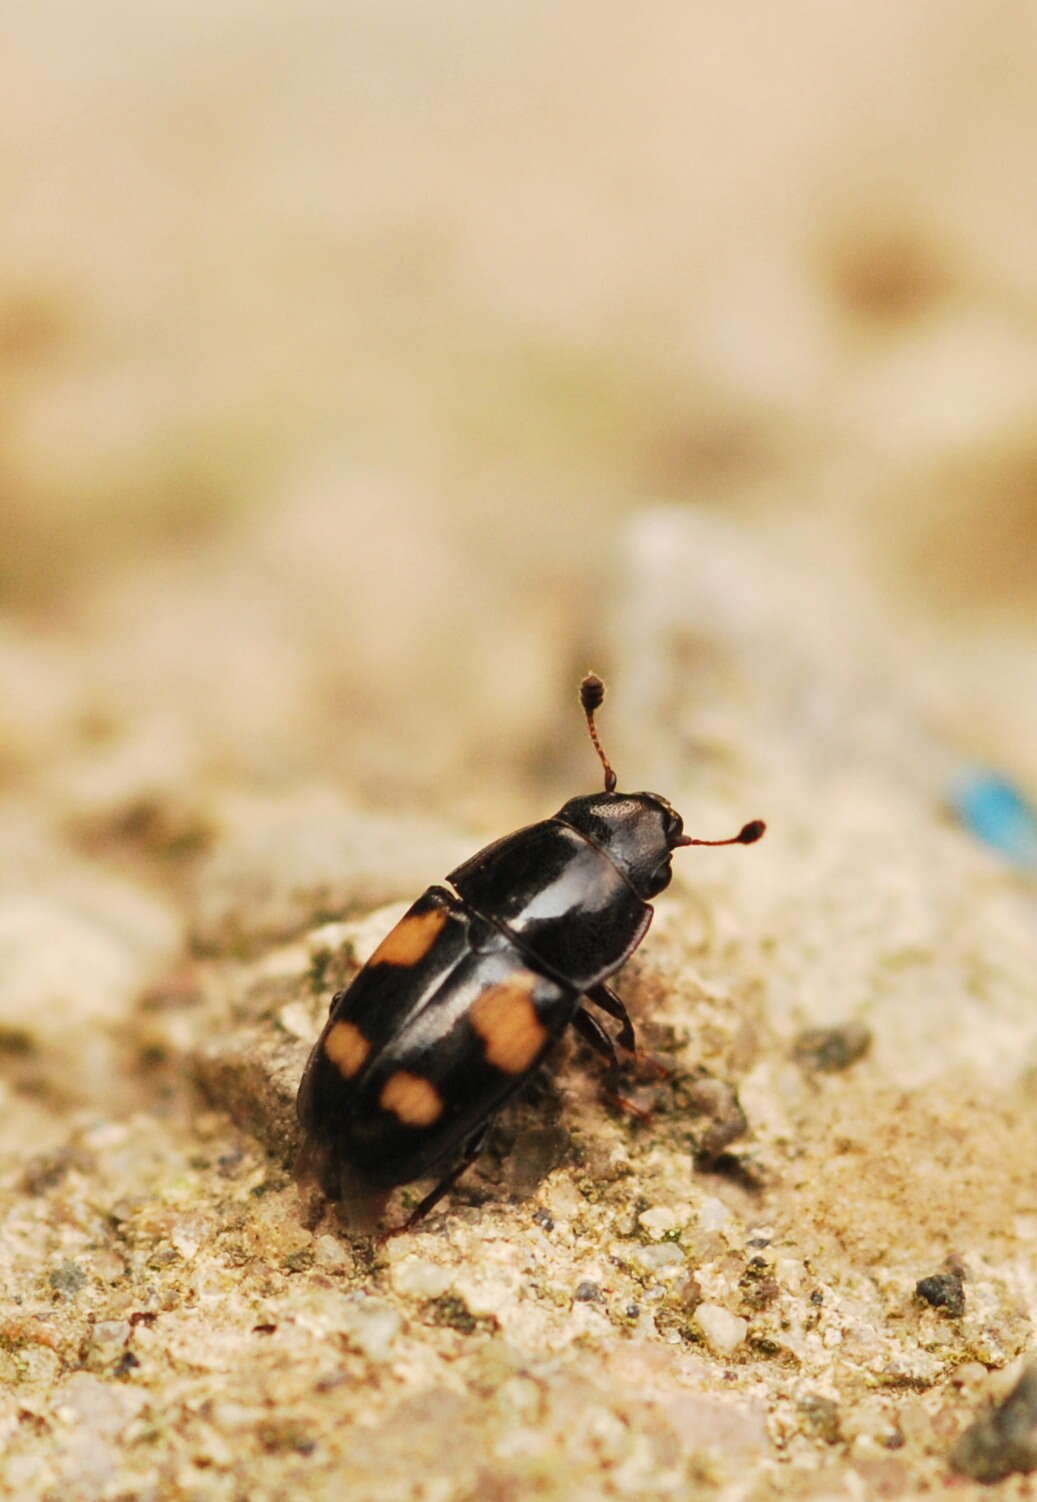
[461, 1001]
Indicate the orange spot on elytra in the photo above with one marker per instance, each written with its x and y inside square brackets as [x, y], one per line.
[411, 939]
[506, 1019]
[415, 1101]
[347, 1048]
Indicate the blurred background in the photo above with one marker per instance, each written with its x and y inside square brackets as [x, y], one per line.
[345, 348]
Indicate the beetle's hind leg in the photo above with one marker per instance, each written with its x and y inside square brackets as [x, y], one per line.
[472, 1148]
[604, 997]
[592, 1032]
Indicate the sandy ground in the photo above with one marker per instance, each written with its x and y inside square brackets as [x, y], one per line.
[367, 373]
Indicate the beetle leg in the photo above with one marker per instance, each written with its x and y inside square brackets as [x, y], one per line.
[592, 1032]
[604, 997]
[472, 1148]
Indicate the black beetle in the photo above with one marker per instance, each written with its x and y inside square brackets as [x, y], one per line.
[461, 1001]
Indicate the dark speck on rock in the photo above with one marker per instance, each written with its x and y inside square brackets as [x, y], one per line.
[820, 1417]
[126, 1363]
[543, 1220]
[1004, 1440]
[759, 1286]
[67, 1279]
[829, 1049]
[718, 1101]
[944, 1291]
[45, 1171]
[736, 1170]
[451, 1311]
[283, 1435]
[588, 1293]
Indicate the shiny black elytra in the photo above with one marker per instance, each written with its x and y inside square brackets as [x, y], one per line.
[460, 1002]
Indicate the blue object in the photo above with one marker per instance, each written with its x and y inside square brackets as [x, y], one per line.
[996, 812]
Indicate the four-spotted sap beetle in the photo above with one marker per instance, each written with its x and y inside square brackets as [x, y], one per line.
[461, 1001]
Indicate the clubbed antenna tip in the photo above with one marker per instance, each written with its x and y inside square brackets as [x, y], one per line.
[592, 695]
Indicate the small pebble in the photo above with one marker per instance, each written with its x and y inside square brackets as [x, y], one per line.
[723, 1330]
[417, 1278]
[67, 1279]
[719, 1101]
[111, 1332]
[944, 1291]
[820, 1417]
[1003, 1440]
[329, 1253]
[187, 1236]
[108, 1265]
[713, 1214]
[658, 1221]
[830, 1049]
[296, 1020]
[659, 1260]
[371, 1326]
[790, 1273]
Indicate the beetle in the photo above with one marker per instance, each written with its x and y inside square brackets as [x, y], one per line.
[463, 998]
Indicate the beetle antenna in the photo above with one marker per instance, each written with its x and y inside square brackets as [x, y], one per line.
[747, 835]
[592, 694]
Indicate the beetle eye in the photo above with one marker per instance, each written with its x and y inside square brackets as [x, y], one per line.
[659, 878]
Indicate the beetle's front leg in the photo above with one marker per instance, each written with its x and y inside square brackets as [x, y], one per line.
[604, 997]
[592, 1032]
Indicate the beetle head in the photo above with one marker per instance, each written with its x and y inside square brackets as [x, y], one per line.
[638, 831]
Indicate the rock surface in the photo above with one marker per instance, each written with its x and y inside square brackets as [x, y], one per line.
[602, 1296]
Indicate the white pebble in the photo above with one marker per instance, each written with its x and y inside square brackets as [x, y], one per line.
[713, 1214]
[723, 1330]
[658, 1221]
[416, 1278]
[329, 1252]
[372, 1326]
[790, 1273]
[664, 1260]
[297, 1021]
